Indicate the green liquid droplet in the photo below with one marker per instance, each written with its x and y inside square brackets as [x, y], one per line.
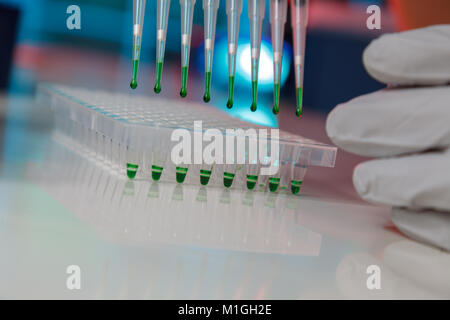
[184, 74]
[204, 176]
[159, 67]
[228, 179]
[254, 95]
[276, 93]
[251, 181]
[299, 110]
[207, 95]
[156, 172]
[133, 83]
[273, 184]
[230, 92]
[295, 186]
[132, 170]
[181, 174]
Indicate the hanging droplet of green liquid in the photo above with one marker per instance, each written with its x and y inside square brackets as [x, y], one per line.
[184, 73]
[181, 174]
[276, 104]
[295, 186]
[251, 181]
[156, 172]
[299, 110]
[230, 92]
[207, 95]
[159, 67]
[132, 170]
[273, 184]
[204, 176]
[133, 83]
[254, 95]
[228, 178]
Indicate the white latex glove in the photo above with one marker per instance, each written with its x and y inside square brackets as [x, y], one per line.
[407, 127]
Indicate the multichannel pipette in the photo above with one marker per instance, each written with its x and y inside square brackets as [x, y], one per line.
[278, 12]
[299, 19]
[187, 12]
[162, 10]
[256, 10]
[138, 22]
[210, 16]
[234, 10]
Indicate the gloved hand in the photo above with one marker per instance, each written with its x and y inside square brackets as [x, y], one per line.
[407, 128]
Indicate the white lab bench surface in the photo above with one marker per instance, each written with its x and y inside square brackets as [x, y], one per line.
[143, 240]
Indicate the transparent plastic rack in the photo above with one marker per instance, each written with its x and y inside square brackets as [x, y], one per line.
[133, 134]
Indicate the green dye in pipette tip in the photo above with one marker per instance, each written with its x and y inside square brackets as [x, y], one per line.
[204, 176]
[181, 174]
[254, 95]
[228, 178]
[132, 170]
[133, 83]
[207, 95]
[295, 186]
[273, 184]
[159, 67]
[251, 181]
[230, 92]
[299, 110]
[184, 73]
[276, 104]
[156, 172]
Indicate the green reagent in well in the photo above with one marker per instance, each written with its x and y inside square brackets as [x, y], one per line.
[207, 95]
[181, 174]
[228, 178]
[132, 170]
[295, 186]
[299, 110]
[273, 184]
[276, 93]
[184, 74]
[230, 92]
[204, 176]
[159, 67]
[156, 172]
[251, 181]
[133, 83]
[254, 95]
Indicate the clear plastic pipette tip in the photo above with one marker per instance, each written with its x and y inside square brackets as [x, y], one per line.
[234, 10]
[299, 20]
[278, 13]
[162, 10]
[187, 12]
[256, 9]
[210, 17]
[138, 23]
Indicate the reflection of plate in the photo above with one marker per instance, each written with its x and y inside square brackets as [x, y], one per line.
[141, 212]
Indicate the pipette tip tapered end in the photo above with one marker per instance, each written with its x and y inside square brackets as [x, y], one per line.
[157, 87]
[230, 103]
[275, 109]
[206, 97]
[253, 107]
[133, 84]
[299, 113]
[183, 92]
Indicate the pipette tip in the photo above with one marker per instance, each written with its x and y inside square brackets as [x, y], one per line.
[157, 88]
[133, 84]
[207, 95]
[253, 107]
[183, 92]
[230, 92]
[230, 103]
[254, 95]
[299, 110]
